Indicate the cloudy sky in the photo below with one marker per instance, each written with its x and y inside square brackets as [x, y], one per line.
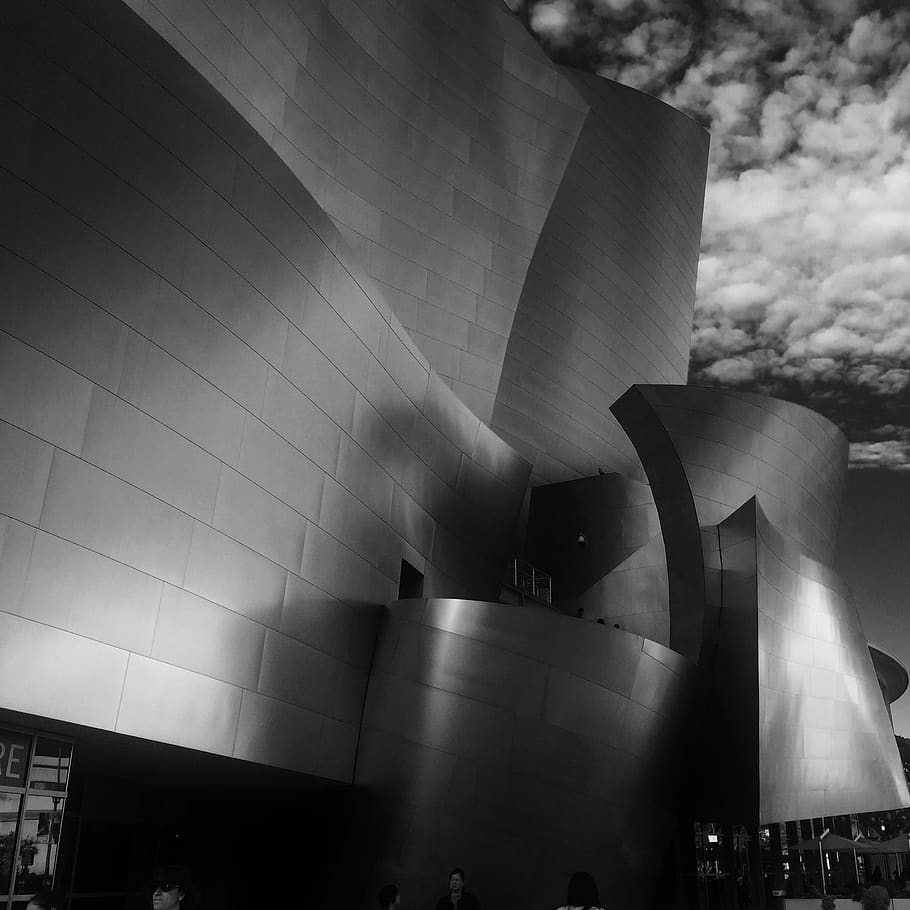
[804, 278]
[804, 281]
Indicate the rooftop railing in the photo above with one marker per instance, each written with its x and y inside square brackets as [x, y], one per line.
[530, 581]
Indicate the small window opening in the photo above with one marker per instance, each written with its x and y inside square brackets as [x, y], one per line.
[410, 581]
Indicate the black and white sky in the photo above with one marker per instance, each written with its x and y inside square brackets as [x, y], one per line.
[804, 279]
[804, 276]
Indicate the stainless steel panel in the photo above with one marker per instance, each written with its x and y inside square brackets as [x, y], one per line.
[100, 512]
[277, 733]
[50, 317]
[412, 427]
[53, 673]
[220, 291]
[76, 589]
[296, 673]
[474, 670]
[249, 514]
[236, 239]
[173, 705]
[330, 565]
[571, 702]
[312, 616]
[88, 191]
[16, 543]
[203, 344]
[800, 458]
[199, 635]
[337, 749]
[308, 368]
[65, 247]
[226, 572]
[349, 693]
[841, 706]
[346, 518]
[41, 396]
[335, 338]
[131, 445]
[413, 523]
[517, 787]
[678, 517]
[438, 719]
[180, 399]
[294, 417]
[25, 464]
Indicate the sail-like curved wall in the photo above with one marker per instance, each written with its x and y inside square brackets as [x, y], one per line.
[611, 287]
[218, 442]
[434, 135]
[789, 675]
[275, 275]
[516, 739]
[735, 444]
[437, 136]
[827, 744]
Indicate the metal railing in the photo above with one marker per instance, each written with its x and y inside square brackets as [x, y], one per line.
[531, 581]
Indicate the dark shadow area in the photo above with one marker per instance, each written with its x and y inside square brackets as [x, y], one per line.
[410, 582]
[250, 834]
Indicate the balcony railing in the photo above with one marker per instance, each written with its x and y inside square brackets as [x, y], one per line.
[530, 581]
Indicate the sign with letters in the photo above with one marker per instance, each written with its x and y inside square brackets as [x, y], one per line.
[15, 749]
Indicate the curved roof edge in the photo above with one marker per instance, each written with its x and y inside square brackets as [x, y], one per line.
[891, 671]
[595, 77]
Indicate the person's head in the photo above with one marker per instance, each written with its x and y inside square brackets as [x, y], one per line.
[876, 898]
[389, 896]
[170, 886]
[828, 902]
[582, 891]
[43, 900]
[456, 880]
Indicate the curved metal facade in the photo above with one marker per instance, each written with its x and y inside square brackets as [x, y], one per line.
[790, 678]
[517, 739]
[734, 444]
[827, 746]
[263, 267]
[218, 442]
[434, 135]
[611, 288]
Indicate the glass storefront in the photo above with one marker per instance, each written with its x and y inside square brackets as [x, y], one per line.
[34, 775]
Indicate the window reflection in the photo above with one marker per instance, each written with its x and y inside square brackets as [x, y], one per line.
[9, 814]
[40, 840]
[51, 764]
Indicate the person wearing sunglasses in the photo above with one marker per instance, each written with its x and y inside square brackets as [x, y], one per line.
[170, 888]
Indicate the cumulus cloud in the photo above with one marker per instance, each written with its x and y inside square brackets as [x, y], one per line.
[891, 454]
[553, 18]
[804, 280]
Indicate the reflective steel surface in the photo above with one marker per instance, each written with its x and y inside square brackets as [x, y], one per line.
[435, 137]
[679, 520]
[734, 444]
[892, 674]
[275, 279]
[218, 441]
[523, 745]
[611, 287]
[794, 723]
[827, 745]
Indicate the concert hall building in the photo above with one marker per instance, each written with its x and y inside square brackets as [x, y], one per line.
[356, 520]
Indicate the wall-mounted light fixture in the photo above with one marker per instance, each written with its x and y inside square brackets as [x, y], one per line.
[581, 539]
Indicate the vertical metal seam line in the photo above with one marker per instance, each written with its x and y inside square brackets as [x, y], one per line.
[363, 705]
